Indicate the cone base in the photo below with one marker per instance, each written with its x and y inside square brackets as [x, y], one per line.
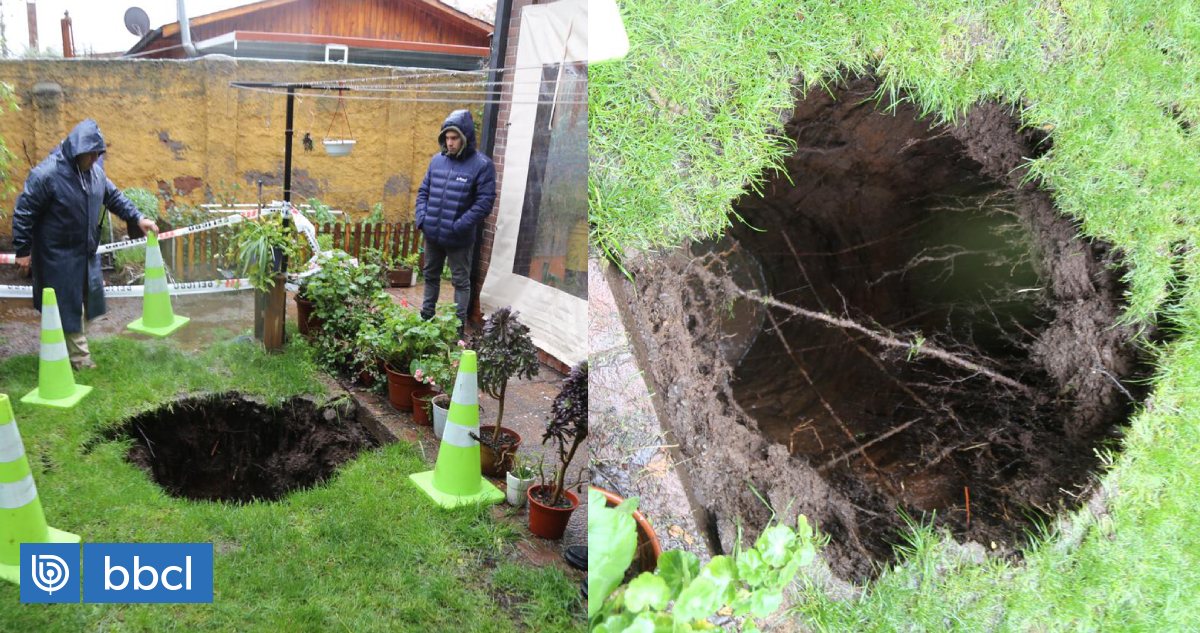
[12, 573]
[488, 493]
[160, 332]
[34, 397]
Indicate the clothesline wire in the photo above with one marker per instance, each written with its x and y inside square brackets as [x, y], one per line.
[409, 99]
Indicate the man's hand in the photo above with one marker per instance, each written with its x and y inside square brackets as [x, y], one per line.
[148, 225]
[23, 265]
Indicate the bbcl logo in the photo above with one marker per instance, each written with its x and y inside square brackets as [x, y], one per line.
[49, 572]
[117, 572]
[109, 570]
[147, 572]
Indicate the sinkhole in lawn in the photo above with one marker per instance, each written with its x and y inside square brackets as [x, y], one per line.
[233, 448]
[947, 350]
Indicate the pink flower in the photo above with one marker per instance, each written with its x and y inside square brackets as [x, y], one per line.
[462, 343]
[417, 375]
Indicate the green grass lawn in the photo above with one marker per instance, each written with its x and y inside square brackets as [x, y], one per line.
[687, 122]
[364, 552]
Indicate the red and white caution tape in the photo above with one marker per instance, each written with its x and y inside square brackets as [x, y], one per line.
[302, 224]
[178, 289]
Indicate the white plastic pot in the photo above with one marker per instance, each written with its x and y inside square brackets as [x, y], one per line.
[516, 490]
[339, 147]
[439, 419]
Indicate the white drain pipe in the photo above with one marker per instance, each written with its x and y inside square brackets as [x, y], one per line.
[185, 30]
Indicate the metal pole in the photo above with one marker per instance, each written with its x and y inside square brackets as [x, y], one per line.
[287, 146]
[491, 117]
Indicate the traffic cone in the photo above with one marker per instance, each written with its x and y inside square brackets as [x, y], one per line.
[456, 478]
[157, 318]
[56, 382]
[21, 517]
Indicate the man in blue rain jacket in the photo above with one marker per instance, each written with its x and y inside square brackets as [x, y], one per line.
[56, 230]
[455, 196]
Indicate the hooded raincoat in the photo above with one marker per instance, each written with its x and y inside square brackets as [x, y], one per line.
[458, 190]
[57, 221]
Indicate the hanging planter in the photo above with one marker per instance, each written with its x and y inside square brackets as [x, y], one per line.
[344, 144]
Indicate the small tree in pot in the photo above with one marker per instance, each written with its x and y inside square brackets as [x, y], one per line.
[505, 350]
[551, 505]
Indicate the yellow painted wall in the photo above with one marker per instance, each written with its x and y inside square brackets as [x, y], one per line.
[179, 125]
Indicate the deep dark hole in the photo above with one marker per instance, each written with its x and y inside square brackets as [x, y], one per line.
[888, 222]
[228, 447]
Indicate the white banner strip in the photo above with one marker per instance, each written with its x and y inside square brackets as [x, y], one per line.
[182, 288]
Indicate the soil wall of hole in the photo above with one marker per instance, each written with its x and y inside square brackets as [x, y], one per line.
[856, 166]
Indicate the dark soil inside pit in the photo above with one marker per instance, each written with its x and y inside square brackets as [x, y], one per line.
[925, 236]
[229, 447]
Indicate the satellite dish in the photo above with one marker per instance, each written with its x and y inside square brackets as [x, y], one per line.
[137, 21]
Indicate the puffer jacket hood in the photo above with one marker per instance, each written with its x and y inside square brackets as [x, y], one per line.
[84, 138]
[458, 191]
[460, 121]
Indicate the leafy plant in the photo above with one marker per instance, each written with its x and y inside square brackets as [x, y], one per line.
[439, 368]
[348, 298]
[505, 350]
[523, 468]
[412, 337]
[254, 249]
[376, 215]
[568, 424]
[319, 213]
[679, 595]
[145, 201]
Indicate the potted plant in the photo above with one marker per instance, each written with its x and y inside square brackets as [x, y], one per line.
[505, 350]
[410, 338]
[550, 506]
[438, 370]
[259, 247]
[648, 546]
[520, 477]
[679, 595]
[402, 272]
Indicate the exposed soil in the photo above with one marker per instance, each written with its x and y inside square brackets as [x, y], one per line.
[925, 236]
[229, 447]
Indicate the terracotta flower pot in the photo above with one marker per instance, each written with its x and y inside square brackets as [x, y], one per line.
[547, 522]
[648, 547]
[487, 457]
[400, 388]
[420, 402]
[308, 324]
[400, 277]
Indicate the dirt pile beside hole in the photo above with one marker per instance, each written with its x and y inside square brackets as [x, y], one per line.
[230, 447]
[925, 236]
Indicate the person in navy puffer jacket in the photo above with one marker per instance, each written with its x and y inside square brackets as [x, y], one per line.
[455, 196]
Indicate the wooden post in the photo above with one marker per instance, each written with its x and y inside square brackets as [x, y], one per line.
[274, 309]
